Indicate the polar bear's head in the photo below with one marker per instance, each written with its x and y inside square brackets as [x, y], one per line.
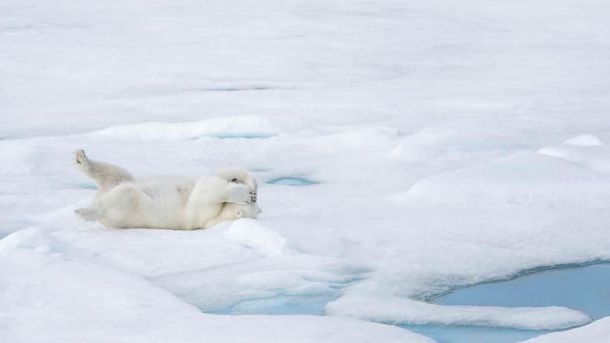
[236, 211]
[233, 211]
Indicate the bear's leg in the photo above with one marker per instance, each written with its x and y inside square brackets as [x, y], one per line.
[86, 213]
[106, 175]
[215, 190]
[126, 206]
[238, 193]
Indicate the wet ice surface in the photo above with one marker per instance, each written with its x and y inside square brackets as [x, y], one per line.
[238, 136]
[282, 305]
[581, 287]
[291, 181]
[86, 185]
[470, 334]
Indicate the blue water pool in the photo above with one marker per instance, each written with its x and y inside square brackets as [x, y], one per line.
[473, 334]
[292, 181]
[580, 287]
[584, 288]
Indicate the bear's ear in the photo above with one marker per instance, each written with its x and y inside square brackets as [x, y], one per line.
[238, 213]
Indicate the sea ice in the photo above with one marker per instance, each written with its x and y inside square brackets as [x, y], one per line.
[453, 144]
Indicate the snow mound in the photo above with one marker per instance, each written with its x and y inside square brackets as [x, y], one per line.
[60, 290]
[353, 140]
[33, 238]
[586, 151]
[584, 140]
[521, 179]
[392, 309]
[222, 127]
[19, 157]
[452, 143]
[596, 332]
[257, 237]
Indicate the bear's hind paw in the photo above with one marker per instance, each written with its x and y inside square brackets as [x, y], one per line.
[88, 214]
[81, 158]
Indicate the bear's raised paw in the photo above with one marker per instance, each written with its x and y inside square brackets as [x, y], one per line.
[81, 158]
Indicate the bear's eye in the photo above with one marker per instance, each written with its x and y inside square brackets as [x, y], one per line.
[235, 180]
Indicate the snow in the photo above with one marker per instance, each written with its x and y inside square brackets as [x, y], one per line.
[521, 179]
[257, 237]
[586, 151]
[397, 310]
[447, 143]
[598, 331]
[238, 126]
[51, 298]
[584, 140]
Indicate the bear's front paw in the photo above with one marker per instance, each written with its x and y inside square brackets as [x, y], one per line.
[239, 193]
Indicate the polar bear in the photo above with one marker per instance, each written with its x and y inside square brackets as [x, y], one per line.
[181, 203]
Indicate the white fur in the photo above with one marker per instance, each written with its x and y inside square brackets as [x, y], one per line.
[179, 203]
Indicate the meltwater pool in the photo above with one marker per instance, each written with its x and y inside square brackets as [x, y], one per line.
[580, 287]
